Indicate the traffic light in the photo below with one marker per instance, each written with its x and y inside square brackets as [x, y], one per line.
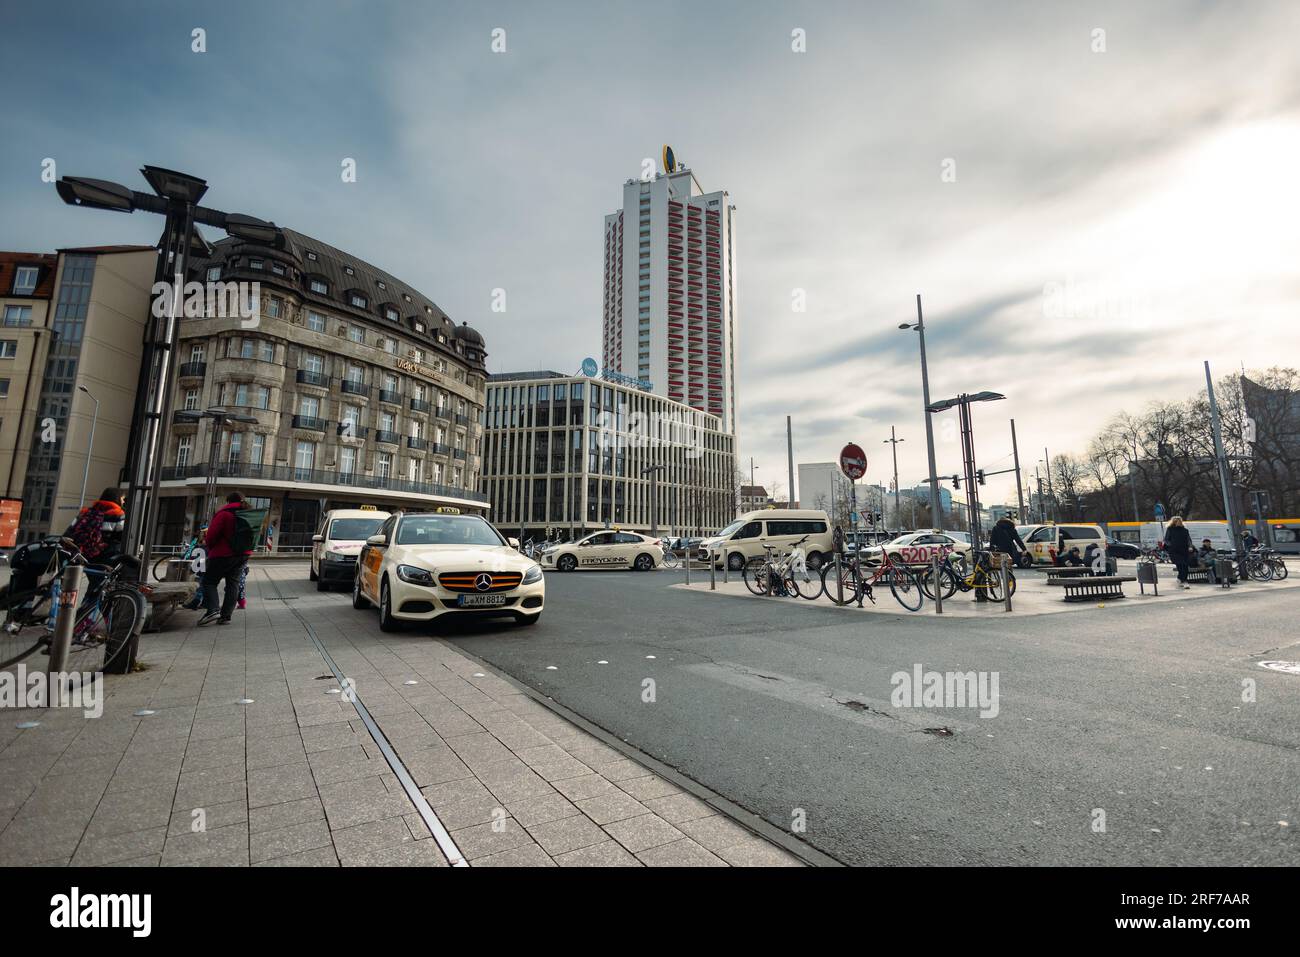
[979, 474]
[956, 481]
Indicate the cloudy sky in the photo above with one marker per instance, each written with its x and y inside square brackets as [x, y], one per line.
[1091, 198]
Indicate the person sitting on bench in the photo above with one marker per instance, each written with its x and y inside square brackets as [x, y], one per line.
[1072, 558]
[1205, 557]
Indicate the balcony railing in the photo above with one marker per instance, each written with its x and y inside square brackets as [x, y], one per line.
[307, 377]
[440, 448]
[420, 444]
[442, 413]
[388, 438]
[184, 417]
[285, 473]
[354, 388]
[389, 396]
[192, 370]
[419, 405]
[357, 431]
[460, 454]
[462, 420]
[310, 422]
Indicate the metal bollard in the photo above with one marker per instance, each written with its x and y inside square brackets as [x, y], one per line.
[688, 566]
[1006, 582]
[726, 566]
[713, 574]
[67, 618]
[839, 581]
[938, 583]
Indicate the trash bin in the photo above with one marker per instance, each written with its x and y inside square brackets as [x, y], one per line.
[1147, 575]
[1225, 571]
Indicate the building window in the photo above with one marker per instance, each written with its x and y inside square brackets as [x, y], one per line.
[315, 322]
[18, 315]
[266, 350]
[386, 422]
[309, 406]
[191, 399]
[274, 306]
[382, 284]
[391, 314]
[277, 268]
[320, 286]
[347, 460]
[357, 334]
[351, 420]
[255, 264]
[311, 255]
[413, 470]
[4, 388]
[255, 447]
[383, 464]
[358, 301]
[197, 352]
[348, 270]
[8, 348]
[236, 447]
[183, 446]
[390, 346]
[304, 456]
[419, 327]
[313, 362]
[214, 273]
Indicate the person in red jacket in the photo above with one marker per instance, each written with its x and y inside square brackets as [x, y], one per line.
[90, 530]
[224, 563]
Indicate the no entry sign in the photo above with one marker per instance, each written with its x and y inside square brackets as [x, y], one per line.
[853, 461]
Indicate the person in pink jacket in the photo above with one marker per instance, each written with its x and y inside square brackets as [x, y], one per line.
[225, 562]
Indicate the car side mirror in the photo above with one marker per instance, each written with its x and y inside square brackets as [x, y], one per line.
[514, 542]
[376, 540]
[318, 538]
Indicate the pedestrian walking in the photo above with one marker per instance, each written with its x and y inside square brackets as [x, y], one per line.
[229, 543]
[1178, 543]
[243, 580]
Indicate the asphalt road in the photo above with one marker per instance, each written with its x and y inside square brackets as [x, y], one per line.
[1121, 737]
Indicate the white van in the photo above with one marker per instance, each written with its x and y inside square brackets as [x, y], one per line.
[1045, 542]
[334, 549]
[744, 538]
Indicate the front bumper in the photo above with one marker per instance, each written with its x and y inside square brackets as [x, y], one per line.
[337, 571]
[427, 602]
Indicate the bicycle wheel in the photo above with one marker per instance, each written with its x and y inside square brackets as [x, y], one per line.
[993, 584]
[947, 582]
[1260, 571]
[805, 583]
[906, 588]
[670, 559]
[841, 586]
[23, 629]
[755, 575]
[1279, 569]
[104, 637]
[159, 570]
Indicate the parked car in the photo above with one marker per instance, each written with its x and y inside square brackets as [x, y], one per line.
[1045, 542]
[605, 550]
[746, 537]
[918, 548]
[335, 548]
[1117, 549]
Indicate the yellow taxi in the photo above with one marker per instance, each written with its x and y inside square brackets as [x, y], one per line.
[422, 566]
[607, 549]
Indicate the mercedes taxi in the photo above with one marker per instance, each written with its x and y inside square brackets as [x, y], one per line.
[423, 566]
[918, 548]
[608, 549]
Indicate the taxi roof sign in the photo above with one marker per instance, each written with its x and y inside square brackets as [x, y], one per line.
[366, 508]
[446, 510]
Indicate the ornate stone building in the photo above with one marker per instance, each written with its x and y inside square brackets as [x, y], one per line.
[361, 391]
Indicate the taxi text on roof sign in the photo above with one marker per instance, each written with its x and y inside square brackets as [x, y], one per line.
[366, 508]
[446, 510]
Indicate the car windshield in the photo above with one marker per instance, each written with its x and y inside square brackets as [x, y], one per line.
[353, 529]
[446, 530]
[731, 529]
[903, 539]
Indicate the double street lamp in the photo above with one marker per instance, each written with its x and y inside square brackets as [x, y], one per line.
[963, 403]
[90, 446]
[175, 197]
[919, 326]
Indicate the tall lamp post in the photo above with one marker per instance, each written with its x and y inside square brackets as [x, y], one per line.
[963, 403]
[894, 440]
[90, 446]
[653, 471]
[175, 197]
[919, 326]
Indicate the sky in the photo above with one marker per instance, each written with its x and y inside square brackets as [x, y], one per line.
[1090, 198]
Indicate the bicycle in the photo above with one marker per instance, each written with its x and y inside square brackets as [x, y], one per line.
[192, 551]
[953, 577]
[788, 576]
[109, 615]
[849, 584]
[671, 558]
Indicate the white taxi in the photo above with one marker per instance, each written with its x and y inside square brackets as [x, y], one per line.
[427, 565]
[918, 548]
[334, 549]
[608, 549]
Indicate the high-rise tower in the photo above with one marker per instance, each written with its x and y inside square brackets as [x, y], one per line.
[670, 293]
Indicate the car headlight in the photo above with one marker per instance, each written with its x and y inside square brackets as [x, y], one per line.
[533, 575]
[414, 576]
[334, 556]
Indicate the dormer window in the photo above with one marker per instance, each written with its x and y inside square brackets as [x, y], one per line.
[255, 264]
[391, 314]
[406, 297]
[25, 280]
[357, 300]
[348, 270]
[419, 327]
[277, 268]
[382, 284]
[214, 273]
[320, 286]
[311, 255]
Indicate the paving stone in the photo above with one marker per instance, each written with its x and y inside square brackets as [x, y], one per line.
[640, 833]
[758, 853]
[319, 857]
[607, 854]
[715, 832]
[272, 816]
[119, 847]
[585, 786]
[477, 810]
[292, 839]
[622, 771]
[454, 792]
[527, 855]
[680, 807]
[647, 788]
[376, 834]
[482, 839]
[214, 816]
[361, 810]
[219, 845]
[608, 808]
[410, 854]
[683, 853]
[567, 834]
[541, 808]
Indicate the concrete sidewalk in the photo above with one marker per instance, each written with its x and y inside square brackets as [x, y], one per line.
[295, 778]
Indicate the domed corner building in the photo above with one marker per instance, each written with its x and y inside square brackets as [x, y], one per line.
[352, 389]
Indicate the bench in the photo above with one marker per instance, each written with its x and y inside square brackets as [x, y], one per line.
[1089, 587]
[163, 599]
[1060, 572]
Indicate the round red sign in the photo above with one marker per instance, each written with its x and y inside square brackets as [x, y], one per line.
[853, 461]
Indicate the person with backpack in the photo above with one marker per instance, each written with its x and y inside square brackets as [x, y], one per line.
[92, 532]
[229, 543]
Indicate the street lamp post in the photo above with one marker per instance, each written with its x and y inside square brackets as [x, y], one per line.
[653, 471]
[175, 197]
[1051, 493]
[220, 417]
[919, 326]
[90, 446]
[893, 440]
[963, 403]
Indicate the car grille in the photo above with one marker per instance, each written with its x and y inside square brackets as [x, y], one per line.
[464, 581]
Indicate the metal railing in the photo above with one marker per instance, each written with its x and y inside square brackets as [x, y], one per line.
[192, 370]
[354, 388]
[419, 405]
[389, 396]
[414, 443]
[310, 422]
[285, 473]
[387, 438]
[307, 377]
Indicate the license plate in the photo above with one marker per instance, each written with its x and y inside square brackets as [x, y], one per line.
[481, 601]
